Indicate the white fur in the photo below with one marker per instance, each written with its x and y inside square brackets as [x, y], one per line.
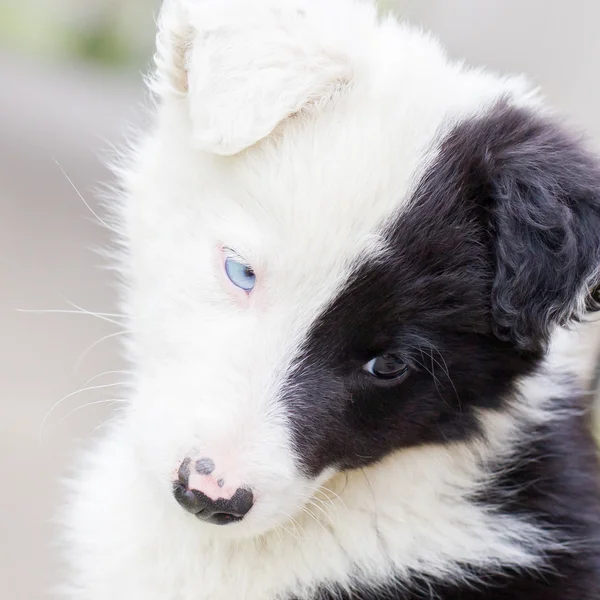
[327, 118]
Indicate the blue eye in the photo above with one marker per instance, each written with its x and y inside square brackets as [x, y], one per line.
[240, 274]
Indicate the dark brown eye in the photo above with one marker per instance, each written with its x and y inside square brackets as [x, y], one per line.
[387, 366]
[596, 295]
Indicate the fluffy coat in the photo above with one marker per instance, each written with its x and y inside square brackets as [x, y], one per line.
[389, 202]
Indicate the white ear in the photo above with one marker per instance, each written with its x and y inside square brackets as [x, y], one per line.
[247, 65]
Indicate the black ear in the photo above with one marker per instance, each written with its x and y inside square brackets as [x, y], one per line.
[544, 219]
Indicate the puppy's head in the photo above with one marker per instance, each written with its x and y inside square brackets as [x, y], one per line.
[340, 245]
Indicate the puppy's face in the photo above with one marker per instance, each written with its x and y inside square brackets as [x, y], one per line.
[366, 262]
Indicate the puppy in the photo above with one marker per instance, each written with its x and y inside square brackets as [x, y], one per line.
[350, 266]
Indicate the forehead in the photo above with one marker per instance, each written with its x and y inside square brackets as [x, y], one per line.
[309, 203]
[323, 187]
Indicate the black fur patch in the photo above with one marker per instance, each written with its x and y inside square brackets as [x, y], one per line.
[497, 245]
[502, 233]
[542, 191]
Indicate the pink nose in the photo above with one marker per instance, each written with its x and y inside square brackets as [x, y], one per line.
[208, 497]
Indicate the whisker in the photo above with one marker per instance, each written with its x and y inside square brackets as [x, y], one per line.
[430, 345]
[444, 369]
[297, 527]
[432, 373]
[104, 423]
[277, 529]
[308, 512]
[325, 513]
[447, 371]
[311, 497]
[72, 312]
[326, 489]
[88, 312]
[64, 398]
[83, 199]
[108, 373]
[96, 343]
[327, 504]
[102, 316]
[109, 401]
[288, 531]
[85, 388]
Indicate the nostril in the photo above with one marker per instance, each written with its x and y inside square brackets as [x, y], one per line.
[241, 502]
[224, 518]
[192, 501]
[184, 472]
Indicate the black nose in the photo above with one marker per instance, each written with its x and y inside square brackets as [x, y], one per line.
[219, 512]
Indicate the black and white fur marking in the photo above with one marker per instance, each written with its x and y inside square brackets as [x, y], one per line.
[383, 200]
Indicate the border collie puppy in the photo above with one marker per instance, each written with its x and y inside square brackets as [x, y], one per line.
[350, 267]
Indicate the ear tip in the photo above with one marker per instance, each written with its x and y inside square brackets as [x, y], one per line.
[222, 135]
[219, 146]
[223, 145]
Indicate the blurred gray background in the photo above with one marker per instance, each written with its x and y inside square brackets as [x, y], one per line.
[70, 83]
